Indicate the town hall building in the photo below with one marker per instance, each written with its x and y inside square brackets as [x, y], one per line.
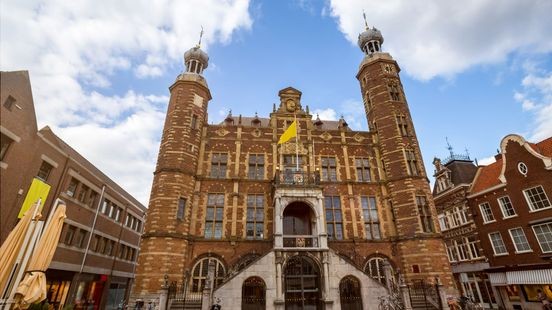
[332, 219]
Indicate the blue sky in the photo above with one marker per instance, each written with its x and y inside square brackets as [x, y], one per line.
[472, 72]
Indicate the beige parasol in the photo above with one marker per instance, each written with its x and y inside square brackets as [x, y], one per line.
[12, 245]
[33, 287]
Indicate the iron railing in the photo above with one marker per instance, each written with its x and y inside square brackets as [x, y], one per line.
[300, 241]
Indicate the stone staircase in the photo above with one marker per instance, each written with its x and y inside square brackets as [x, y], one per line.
[179, 304]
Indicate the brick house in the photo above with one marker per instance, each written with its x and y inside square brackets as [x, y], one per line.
[238, 219]
[94, 263]
[510, 202]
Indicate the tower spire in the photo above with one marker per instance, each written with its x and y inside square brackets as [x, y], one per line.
[200, 36]
[365, 22]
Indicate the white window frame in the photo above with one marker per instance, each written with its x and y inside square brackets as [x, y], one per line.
[472, 247]
[538, 240]
[443, 222]
[503, 209]
[516, 244]
[493, 246]
[530, 204]
[484, 215]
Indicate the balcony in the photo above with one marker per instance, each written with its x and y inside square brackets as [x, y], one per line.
[300, 241]
[296, 178]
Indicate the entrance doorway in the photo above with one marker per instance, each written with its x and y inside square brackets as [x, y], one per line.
[302, 284]
[349, 294]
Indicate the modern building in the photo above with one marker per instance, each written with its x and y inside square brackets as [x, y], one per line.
[239, 219]
[94, 263]
[453, 178]
[511, 207]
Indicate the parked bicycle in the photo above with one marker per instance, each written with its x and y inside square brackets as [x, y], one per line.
[389, 303]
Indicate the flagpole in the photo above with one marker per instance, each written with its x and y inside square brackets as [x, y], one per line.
[296, 144]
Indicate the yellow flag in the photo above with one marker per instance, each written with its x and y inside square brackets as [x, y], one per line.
[37, 190]
[290, 132]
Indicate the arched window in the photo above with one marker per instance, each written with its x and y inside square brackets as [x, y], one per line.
[349, 294]
[374, 268]
[253, 294]
[200, 272]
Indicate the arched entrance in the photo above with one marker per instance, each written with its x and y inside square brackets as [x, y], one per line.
[302, 284]
[253, 294]
[349, 294]
[299, 226]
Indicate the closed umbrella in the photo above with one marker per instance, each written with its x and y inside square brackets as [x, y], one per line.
[12, 245]
[33, 287]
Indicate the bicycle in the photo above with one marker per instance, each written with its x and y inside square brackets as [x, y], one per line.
[388, 303]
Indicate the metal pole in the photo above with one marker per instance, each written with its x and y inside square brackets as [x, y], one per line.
[92, 230]
[296, 144]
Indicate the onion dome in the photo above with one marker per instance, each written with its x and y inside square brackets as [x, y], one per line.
[196, 60]
[370, 41]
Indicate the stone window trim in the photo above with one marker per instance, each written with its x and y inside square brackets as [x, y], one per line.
[194, 125]
[497, 243]
[402, 125]
[328, 168]
[214, 216]
[44, 171]
[181, 208]
[411, 162]
[219, 165]
[536, 199]
[334, 217]
[255, 216]
[371, 217]
[256, 166]
[486, 213]
[506, 207]
[519, 240]
[543, 234]
[363, 169]
[424, 214]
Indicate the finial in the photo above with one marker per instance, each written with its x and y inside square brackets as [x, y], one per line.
[467, 152]
[273, 107]
[200, 36]
[449, 147]
[230, 112]
[365, 22]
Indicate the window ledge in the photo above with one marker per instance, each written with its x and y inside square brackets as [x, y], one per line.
[489, 222]
[509, 217]
[501, 254]
[538, 210]
[523, 252]
[3, 165]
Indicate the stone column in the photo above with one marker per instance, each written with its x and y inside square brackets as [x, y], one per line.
[442, 295]
[405, 294]
[206, 299]
[164, 293]
[278, 225]
[388, 275]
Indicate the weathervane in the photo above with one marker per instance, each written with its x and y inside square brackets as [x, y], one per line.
[365, 22]
[200, 36]
[449, 147]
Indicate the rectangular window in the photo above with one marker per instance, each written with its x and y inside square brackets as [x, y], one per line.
[214, 216]
[101, 245]
[5, 143]
[69, 234]
[329, 172]
[462, 250]
[473, 244]
[83, 193]
[72, 187]
[543, 232]
[109, 246]
[291, 161]
[411, 162]
[402, 125]
[79, 241]
[443, 223]
[519, 240]
[498, 244]
[506, 207]
[486, 212]
[96, 244]
[536, 198]
[451, 252]
[255, 217]
[394, 92]
[9, 103]
[334, 221]
[181, 208]
[91, 202]
[194, 121]
[44, 171]
[256, 166]
[424, 213]
[218, 165]
[371, 219]
[363, 169]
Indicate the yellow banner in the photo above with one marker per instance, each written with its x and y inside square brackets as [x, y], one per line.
[290, 132]
[37, 190]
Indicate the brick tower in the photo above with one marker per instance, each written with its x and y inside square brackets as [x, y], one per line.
[404, 182]
[163, 247]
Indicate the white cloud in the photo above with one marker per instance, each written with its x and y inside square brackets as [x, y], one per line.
[443, 38]
[486, 161]
[351, 110]
[536, 97]
[326, 114]
[73, 50]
